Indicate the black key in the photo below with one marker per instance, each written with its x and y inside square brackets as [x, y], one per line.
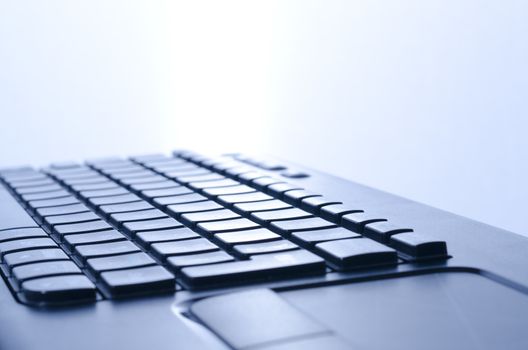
[53, 187]
[184, 198]
[273, 204]
[213, 184]
[166, 192]
[318, 236]
[381, 231]
[314, 204]
[152, 279]
[125, 207]
[68, 288]
[178, 262]
[295, 196]
[104, 193]
[357, 221]
[191, 219]
[288, 226]
[231, 199]
[267, 266]
[53, 202]
[221, 191]
[153, 186]
[228, 239]
[25, 244]
[178, 209]
[82, 227]
[151, 225]
[45, 269]
[51, 221]
[105, 249]
[62, 210]
[19, 233]
[263, 182]
[188, 246]
[124, 198]
[177, 234]
[33, 256]
[118, 262]
[278, 190]
[213, 227]
[266, 247]
[107, 185]
[334, 212]
[93, 237]
[140, 215]
[266, 217]
[419, 245]
[357, 252]
[276, 321]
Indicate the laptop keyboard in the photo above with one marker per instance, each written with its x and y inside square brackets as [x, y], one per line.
[115, 228]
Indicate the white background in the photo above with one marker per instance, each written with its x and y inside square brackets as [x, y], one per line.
[425, 99]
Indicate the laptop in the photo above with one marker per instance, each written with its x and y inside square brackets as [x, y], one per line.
[237, 251]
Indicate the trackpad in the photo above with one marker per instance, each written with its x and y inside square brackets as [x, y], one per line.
[436, 311]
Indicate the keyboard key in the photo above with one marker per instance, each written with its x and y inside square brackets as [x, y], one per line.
[104, 193]
[314, 204]
[53, 202]
[357, 221]
[44, 269]
[288, 226]
[93, 237]
[107, 185]
[334, 212]
[148, 237]
[25, 244]
[45, 195]
[33, 256]
[200, 185]
[191, 219]
[263, 182]
[181, 199]
[166, 192]
[105, 249]
[151, 279]
[142, 180]
[313, 237]
[228, 239]
[273, 204]
[278, 190]
[419, 245]
[19, 233]
[139, 215]
[357, 252]
[82, 227]
[51, 221]
[266, 217]
[153, 186]
[62, 210]
[118, 262]
[200, 178]
[213, 227]
[150, 225]
[294, 197]
[53, 187]
[178, 262]
[381, 231]
[189, 246]
[292, 174]
[178, 209]
[221, 191]
[231, 199]
[258, 318]
[124, 198]
[266, 247]
[269, 266]
[59, 289]
[249, 176]
[125, 207]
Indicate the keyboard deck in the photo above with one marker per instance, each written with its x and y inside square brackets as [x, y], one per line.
[115, 228]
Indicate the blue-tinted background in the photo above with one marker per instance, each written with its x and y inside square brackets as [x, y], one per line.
[426, 99]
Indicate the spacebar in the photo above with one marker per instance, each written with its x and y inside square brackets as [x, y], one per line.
[12, 215]
[271, 266]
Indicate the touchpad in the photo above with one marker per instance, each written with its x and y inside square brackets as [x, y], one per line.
[436, 311]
